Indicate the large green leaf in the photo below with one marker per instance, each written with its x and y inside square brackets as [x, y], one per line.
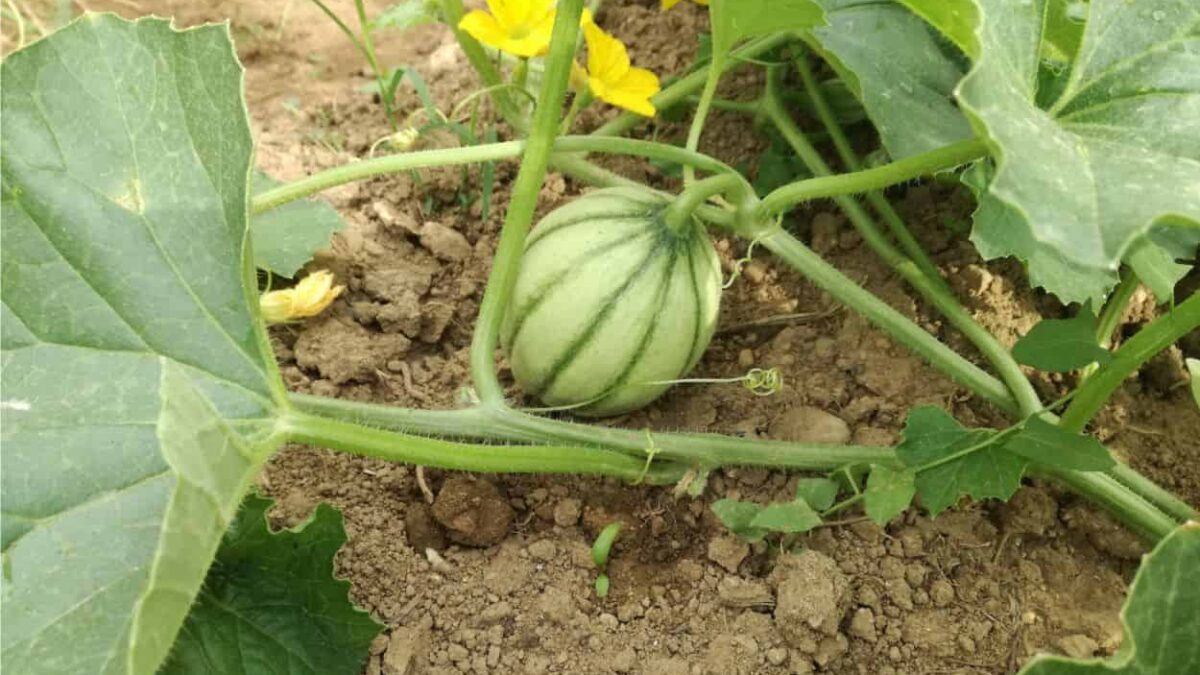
[1000, 230]
[903, 76]
[1117, 152]
[139, 389]
[286, 237]
[271, 604]
[1161, 618]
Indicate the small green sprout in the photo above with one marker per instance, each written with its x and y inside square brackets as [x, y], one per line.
[600, 550]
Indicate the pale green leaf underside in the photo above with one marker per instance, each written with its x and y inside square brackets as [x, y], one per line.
[905, 80]
[286, 237]
[271, 604]
[137, 389]
[956, 19]
[1161, 621]
[1120, 149]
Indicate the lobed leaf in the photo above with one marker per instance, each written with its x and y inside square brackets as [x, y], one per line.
[1061, 345]
[1160, 618]
[286, 237]
[271, 603]
[1111, 158]
[737, 517]
[140, 391]
[889, 493]
[818, 493]
[932, 439]
[787, 517]
[900, 71]
[1052, 445]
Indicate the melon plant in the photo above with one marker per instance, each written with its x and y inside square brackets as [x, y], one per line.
[141, 396]
[611, 303]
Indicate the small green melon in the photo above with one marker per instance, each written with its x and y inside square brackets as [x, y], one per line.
[610, 303]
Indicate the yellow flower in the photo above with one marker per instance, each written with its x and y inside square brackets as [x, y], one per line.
[668, 4]
[610, 77]
[308, 298]
[519, 27]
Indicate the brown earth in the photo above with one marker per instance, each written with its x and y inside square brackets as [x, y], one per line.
[976, 590]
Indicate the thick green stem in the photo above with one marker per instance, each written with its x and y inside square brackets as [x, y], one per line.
[845, 151]
[900, 171]
[502, 424]
[1155, 337]
[474, 154]
[678, 215]
[900, 327]
[1114, 309]
[701, 113]
[398, 447]
[506, 105]
[1153, 493]
[688, 84]
[1107, 492]
[931, 287]
[526, 187]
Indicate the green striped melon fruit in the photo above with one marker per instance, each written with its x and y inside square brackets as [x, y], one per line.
[610, 303]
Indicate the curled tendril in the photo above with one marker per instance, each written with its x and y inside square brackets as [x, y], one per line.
[740, 264]
[651, 450]
[763, 382]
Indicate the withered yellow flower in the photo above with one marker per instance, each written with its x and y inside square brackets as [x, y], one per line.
[668, 4]
[610, 76]
[308, 298]
[519, 27]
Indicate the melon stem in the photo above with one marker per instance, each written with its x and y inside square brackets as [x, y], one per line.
[678, 214]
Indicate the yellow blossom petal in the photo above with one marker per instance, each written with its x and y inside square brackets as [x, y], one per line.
[519, 27]
[308, 298]
[276, 306]
[633, 91]
[612, 79]
[607, 59]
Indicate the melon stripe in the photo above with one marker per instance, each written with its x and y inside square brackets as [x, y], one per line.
[582, 220]
[539, 296]
[663, 291]
[581, 340]
[691, 265]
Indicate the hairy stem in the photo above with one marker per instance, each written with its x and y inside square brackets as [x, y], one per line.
[678, 215]
[1150, 340]
[900, 171]
[507, 425]
[475, 154]
[842, 144]
[900, 327]
[1114, 309]
[1107, 492]
[397, 447]
[932, 288]
[526, 187]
